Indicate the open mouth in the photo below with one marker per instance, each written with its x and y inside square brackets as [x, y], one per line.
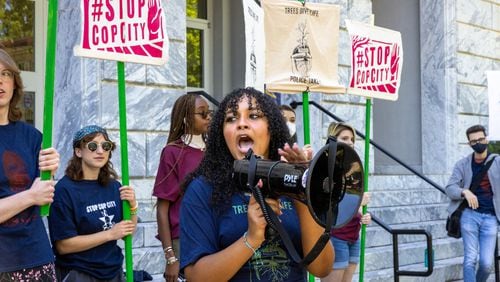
[245, 143]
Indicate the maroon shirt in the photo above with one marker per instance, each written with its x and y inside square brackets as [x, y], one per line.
[350, 231]
[177, 160]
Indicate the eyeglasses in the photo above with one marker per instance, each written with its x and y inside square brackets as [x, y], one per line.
[6, 75]
[106, 146]
[205, 114]
[479, 140]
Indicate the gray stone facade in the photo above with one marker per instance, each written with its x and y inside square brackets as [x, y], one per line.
[460, 40]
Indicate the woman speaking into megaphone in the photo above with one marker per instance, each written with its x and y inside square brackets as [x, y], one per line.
[222, 226]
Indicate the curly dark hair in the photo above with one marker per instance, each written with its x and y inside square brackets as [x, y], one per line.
[216, 166]
[75, 170]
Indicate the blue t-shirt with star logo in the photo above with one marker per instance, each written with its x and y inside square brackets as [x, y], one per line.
[81, 208]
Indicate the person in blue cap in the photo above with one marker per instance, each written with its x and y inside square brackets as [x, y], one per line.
[86, 217]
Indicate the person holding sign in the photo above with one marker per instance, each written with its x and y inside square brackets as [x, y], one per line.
[345, 240]
[86, 217]
[190, 118]
[475, 188]
[24, 245]
[222, 227]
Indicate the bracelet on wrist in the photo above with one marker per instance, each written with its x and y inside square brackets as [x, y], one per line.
[245, 240]
[134, 208]
[172, 260]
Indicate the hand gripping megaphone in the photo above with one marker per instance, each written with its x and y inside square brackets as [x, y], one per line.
[309, 182]
[331, 185]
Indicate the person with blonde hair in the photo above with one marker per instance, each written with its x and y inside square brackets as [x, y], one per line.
[346, 240]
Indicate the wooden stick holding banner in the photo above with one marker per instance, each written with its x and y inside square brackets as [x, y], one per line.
[377, 61]
[48, 103]
[147, 47]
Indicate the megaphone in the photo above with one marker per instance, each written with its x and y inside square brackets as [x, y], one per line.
[336, 187]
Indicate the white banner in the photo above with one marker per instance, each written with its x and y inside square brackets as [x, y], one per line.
[254, 44]
[123, 30]
[301, 46]
[494, 105]
[376, 61]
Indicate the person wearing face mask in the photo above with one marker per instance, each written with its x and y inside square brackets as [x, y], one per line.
[479, 220]
[289, 115]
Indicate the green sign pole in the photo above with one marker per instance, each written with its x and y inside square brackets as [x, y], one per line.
[122, 105]
[368, 110]
[307, 137]
[50, 63]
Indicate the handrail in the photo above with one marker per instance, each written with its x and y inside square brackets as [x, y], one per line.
[294, 105]
[395, 252]
[206, 95]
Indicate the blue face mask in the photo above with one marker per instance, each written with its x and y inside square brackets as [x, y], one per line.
[479, 147]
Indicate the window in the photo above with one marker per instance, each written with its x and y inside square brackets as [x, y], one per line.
[20, 21]
[197, 45]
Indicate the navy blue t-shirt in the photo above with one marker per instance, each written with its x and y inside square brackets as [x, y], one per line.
[82, 208]
[483, 191]
[204, 232]
[23, 240]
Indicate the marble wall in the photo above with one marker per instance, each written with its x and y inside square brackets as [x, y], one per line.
[459, 42]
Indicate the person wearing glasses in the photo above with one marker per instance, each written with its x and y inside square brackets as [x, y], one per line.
[86, 217]
[25, 253]
[479, 220]
[345, 239]
[223, 234]
[182, 154]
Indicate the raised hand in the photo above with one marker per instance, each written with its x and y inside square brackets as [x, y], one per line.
[394, 61]
[294, 154]
[154, 18]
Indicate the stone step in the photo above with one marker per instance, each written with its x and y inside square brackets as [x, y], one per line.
[410, 213]
[377, 236]
[444, 270]
[408, 182]
[378, 258]
[399, 197]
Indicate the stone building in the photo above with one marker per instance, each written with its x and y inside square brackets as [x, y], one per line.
[448, 47]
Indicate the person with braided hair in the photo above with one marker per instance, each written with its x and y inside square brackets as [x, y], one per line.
[190, 118]
[222, 226]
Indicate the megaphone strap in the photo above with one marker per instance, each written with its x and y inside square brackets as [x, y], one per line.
[275, 223]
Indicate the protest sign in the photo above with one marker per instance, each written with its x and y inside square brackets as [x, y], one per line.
[127, 31]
